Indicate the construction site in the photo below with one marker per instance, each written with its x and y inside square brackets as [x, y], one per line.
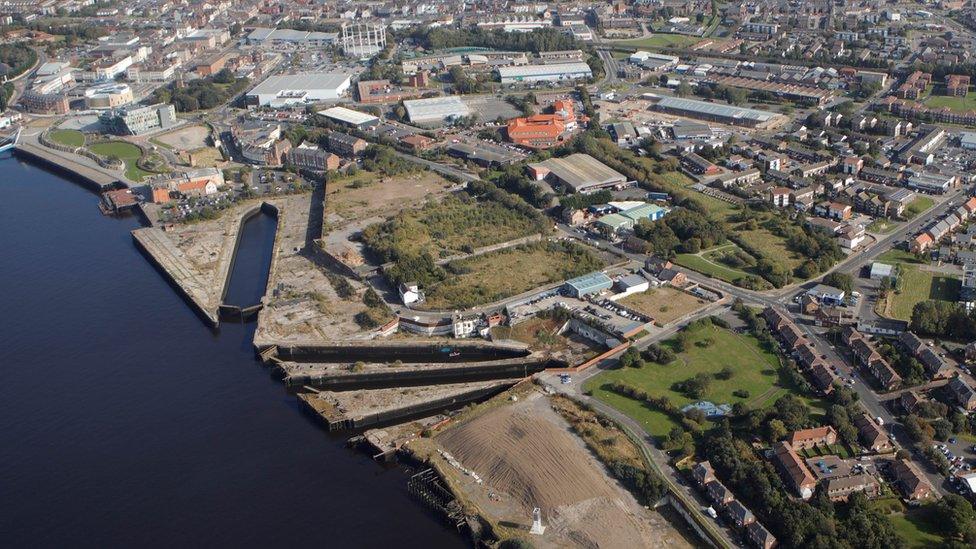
[516, 453]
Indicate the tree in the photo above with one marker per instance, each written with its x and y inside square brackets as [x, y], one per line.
[841, 281]
[683, 89]
[775, 430]
[957, 516]
[918, 430]
[631, 358]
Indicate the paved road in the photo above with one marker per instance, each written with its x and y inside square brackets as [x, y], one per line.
[658, 457]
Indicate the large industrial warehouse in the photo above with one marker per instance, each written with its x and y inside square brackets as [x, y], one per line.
[295, 89]
[544, 73]
[577, 173]
[716, 112]
[436, 110]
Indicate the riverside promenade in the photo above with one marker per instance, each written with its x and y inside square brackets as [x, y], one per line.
[83, 168]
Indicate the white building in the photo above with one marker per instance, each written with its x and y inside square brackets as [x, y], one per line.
[410, 292]
[545, 73]
[436, 109]
[465, 326]
[296, 89]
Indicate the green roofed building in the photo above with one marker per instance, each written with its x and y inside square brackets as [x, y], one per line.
[652, 212]
[588, 284]
[613, 223]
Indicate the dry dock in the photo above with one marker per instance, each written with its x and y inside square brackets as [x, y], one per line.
[340, 376]
[204, 287]
[356, 409]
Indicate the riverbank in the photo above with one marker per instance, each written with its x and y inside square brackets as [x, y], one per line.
[121, 418]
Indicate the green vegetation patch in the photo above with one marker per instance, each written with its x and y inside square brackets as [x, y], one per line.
[956, 104]
[919, 527]
[895, 255]
[882, 226]
[707, 350]
[504, 273]
[710, 264]
[68, 138]
[127, 153]
[916, 286]
[457, 224]
[917, 206]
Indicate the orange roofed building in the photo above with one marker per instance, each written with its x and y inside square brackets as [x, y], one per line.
[200, 182]
[542, 131]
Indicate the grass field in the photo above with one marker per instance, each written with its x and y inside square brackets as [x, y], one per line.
[917, 206]
[919, 527]
[126, 152]
[773, 246]
[917, 286]
[705, 266]
[660, 41]
[895, 255]
[677, 178]
[882, 226]
[709, 263]
[958, 104]
[711, 349]
[496, 275]
[663, 304]
[68, 138]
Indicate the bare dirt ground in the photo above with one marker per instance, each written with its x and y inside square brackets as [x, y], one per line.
[185, 139]
[527, 457]
[302, 304]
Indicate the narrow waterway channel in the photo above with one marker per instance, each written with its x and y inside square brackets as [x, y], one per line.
[124, 422]
[249, 275]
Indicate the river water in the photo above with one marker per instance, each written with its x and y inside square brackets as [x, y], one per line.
[124, 421]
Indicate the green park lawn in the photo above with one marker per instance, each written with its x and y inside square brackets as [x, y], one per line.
[707, 264]
[126, 152]
[895, 255]
[68, 138]
[958, 104]
[710, 350]
[917, 286]
[677, 178]
[661, 40]
[917, 206]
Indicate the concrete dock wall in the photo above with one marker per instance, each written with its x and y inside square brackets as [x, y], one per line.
[427, 376]
[60, 163]
[145, 245]
[389, 351]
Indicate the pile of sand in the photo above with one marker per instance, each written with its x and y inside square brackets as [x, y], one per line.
[533, 460]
